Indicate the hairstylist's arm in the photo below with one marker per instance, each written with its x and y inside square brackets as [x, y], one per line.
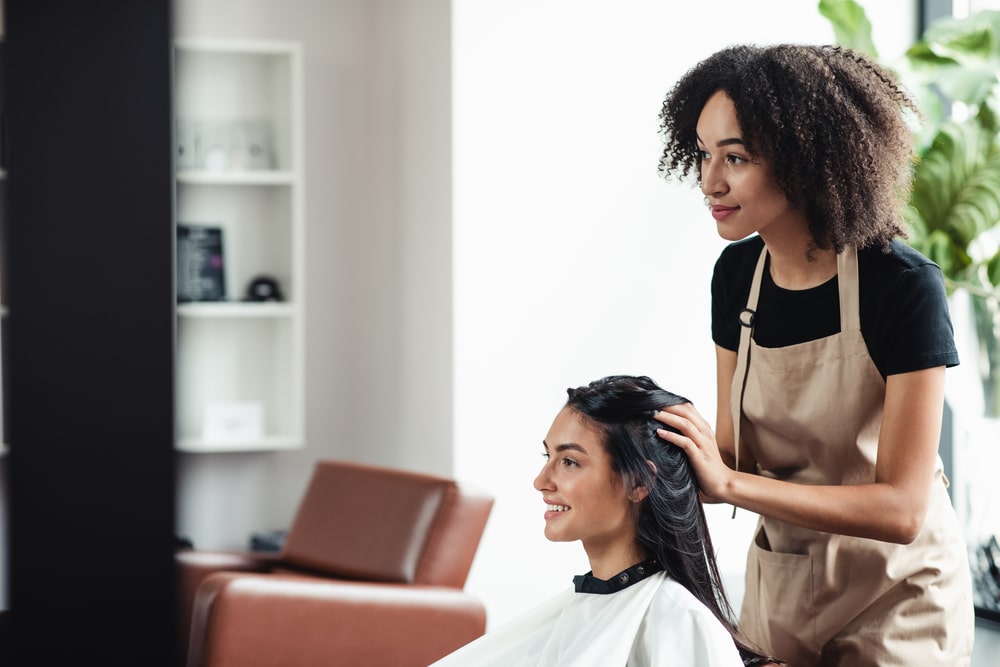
[891, 508]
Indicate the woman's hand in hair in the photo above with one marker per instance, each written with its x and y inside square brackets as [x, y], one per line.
[695, 436]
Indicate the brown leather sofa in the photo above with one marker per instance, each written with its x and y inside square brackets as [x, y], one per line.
[371, 574]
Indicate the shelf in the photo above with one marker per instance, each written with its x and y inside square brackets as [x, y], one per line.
[261, 177]
[267, 443]
[236, 309]
[253, 48]
[239, 168]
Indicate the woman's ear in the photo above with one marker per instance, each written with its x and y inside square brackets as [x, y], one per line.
[639, 492]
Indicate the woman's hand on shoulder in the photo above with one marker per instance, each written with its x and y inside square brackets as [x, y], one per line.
[695, 436]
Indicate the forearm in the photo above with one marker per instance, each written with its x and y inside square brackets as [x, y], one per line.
[878, 510]
[890, 508]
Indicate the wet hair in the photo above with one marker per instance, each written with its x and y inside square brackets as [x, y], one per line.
[831, 123]
[670, 521]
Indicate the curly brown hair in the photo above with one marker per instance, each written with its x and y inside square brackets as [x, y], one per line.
[831, 122]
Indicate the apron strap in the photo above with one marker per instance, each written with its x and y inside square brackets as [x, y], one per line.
[847, 281]
[747, 321]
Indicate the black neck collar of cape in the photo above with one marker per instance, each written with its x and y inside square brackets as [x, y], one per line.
[588, 583]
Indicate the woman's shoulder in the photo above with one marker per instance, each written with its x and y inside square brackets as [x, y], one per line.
[678, 625]
[901, 270]
[901, 257]
[905, 316]
[673, 598]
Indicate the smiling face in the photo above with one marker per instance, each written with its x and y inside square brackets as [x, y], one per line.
[586, 500]
[740, 190]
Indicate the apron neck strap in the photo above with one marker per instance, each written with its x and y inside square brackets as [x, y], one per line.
[847, 281]
[747, 322]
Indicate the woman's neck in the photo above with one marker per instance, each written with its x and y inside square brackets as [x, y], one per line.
[606, 563]
[797, 265]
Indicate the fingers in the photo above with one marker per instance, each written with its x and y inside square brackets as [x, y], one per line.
[682, 436]
[685, 418]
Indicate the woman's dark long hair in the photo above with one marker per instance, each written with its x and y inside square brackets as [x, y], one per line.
[670, 521]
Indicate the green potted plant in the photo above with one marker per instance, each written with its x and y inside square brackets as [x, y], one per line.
[954, 208]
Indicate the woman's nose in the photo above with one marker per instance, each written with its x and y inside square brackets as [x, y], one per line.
[542, 481]
[712, 180]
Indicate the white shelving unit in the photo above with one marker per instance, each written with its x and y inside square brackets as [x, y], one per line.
[241, 364]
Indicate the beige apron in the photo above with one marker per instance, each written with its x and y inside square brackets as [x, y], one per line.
[811, 414]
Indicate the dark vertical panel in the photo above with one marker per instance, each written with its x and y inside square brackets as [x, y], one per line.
[91, 331]
[931, 10]
[4, 390]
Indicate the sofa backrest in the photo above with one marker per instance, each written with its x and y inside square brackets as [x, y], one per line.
[372, 523]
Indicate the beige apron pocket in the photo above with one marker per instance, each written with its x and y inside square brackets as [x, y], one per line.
[779, 612]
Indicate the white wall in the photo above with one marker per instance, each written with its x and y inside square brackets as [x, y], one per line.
[378, 258]
[573, 259]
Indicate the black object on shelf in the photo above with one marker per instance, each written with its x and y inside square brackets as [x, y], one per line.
[200, 264]
[985, 562]
[269, 541]
[264, 288]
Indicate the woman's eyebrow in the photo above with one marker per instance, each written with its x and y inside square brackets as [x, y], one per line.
[731, 141]
[566, 446]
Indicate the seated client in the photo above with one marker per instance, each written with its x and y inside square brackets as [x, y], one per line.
[653, 595]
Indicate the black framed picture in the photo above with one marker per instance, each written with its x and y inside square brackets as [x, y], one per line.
[200, 263]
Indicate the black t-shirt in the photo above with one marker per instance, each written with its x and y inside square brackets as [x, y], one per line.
[904, 307]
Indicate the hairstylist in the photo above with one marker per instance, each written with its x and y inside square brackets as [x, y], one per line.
[832, 340]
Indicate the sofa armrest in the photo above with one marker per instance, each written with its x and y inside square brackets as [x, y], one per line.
[194, 566]
[268, 620]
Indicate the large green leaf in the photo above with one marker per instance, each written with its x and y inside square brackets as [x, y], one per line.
[993, 269]
[956, 192]
[955, 199]
[851, 26]
[959, 56]
[972, 39]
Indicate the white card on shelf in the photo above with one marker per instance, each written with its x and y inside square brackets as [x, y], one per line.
[233, 420]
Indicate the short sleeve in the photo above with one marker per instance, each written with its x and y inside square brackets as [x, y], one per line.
[725, 330]
[917, 331]
[731, 279]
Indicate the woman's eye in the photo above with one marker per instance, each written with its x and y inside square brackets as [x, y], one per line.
[545, 455]
[736, 159]
[569, 463]
[703, 155]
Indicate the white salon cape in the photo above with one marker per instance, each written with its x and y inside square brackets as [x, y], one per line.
[654, 621]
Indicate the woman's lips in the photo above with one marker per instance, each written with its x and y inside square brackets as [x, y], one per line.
[720, 212]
